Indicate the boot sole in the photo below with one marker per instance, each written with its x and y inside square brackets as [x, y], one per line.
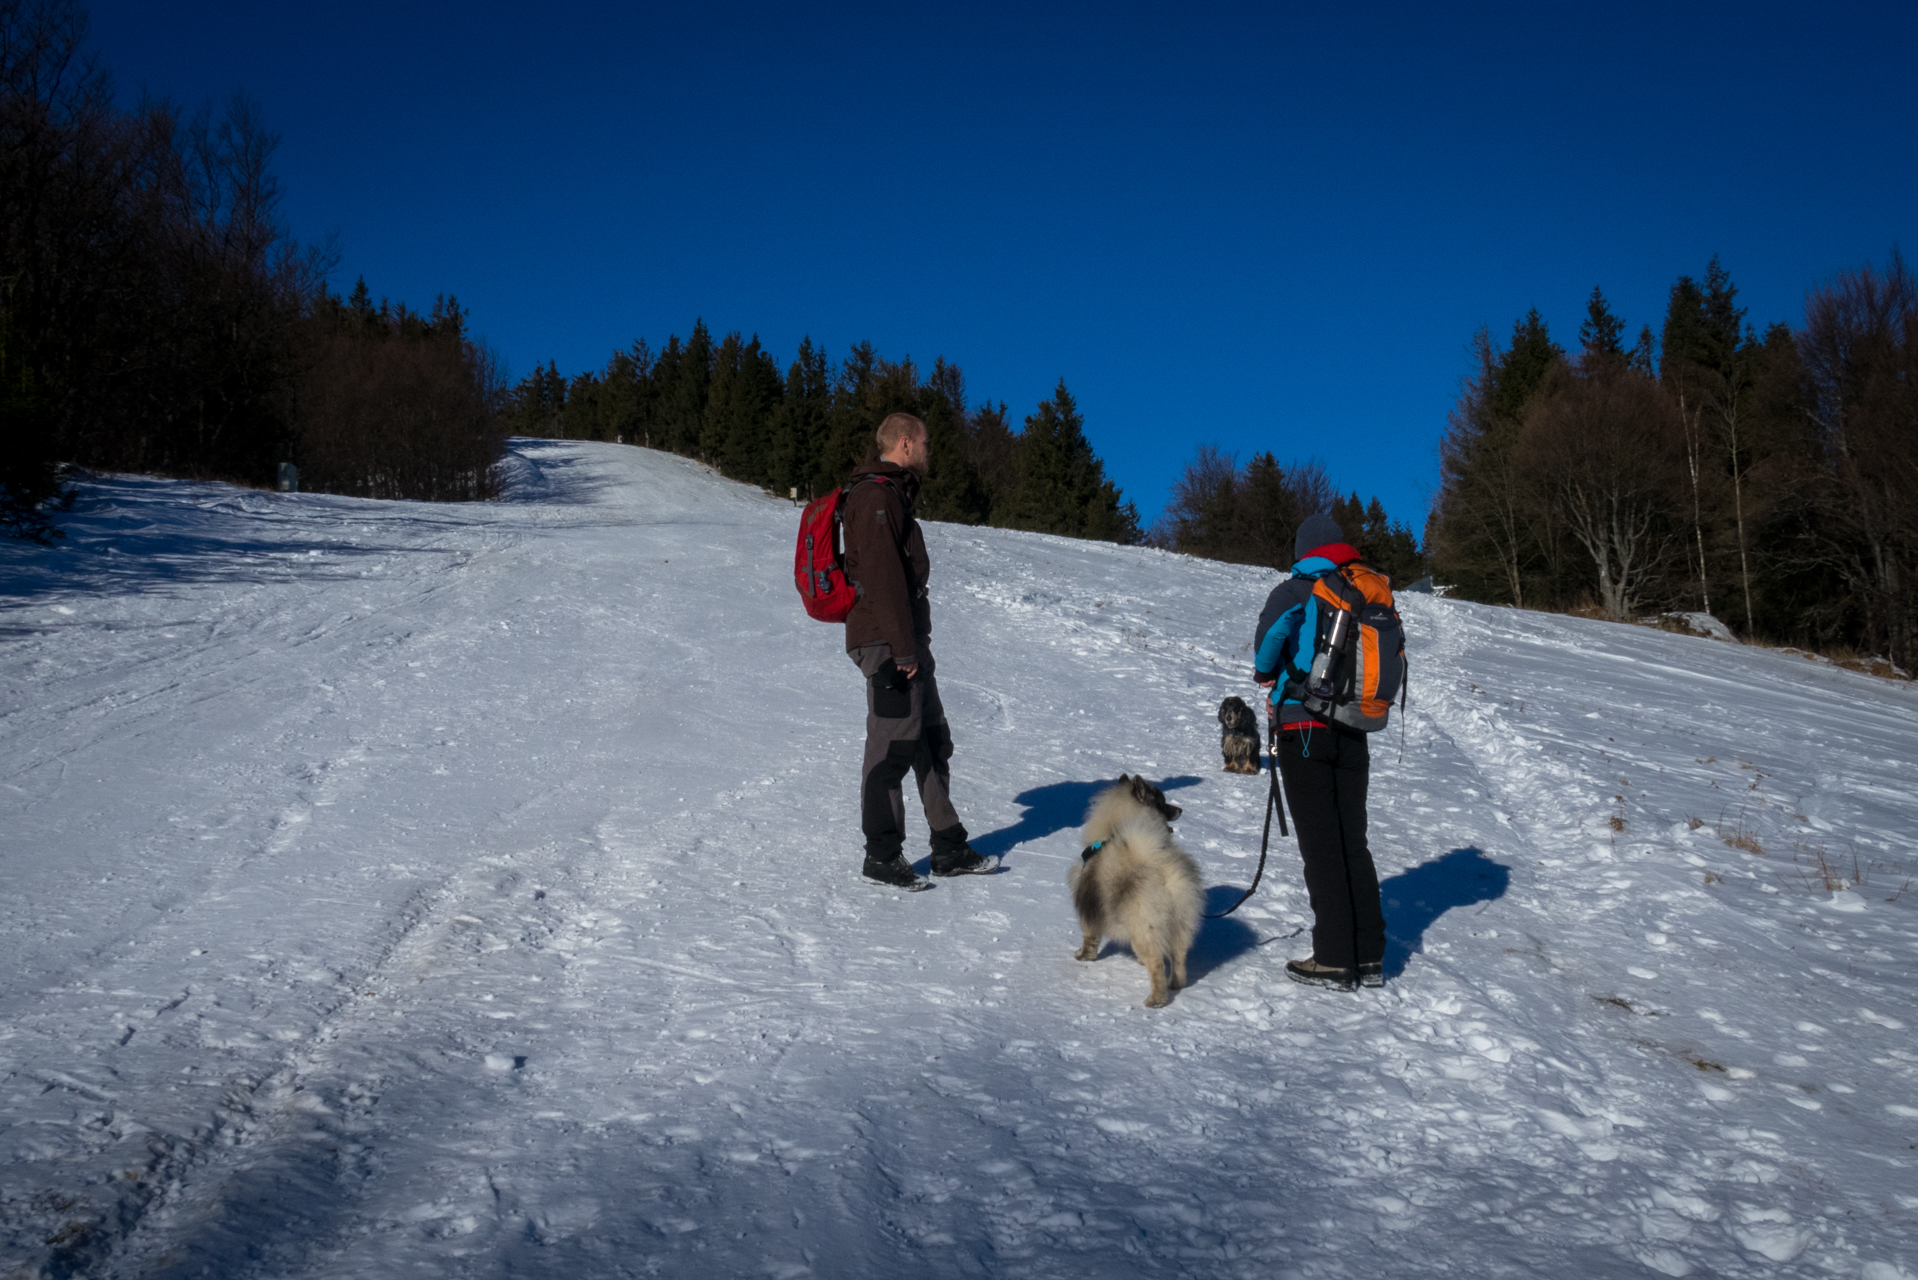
[986, 868]
[919, 884]
[1329, 983]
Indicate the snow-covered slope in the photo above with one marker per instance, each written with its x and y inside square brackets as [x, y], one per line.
[395, 889]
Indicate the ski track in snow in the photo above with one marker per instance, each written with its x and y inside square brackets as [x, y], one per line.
[470, 891]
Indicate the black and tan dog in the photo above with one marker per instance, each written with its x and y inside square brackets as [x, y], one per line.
[1239, 738]
[1135, 884]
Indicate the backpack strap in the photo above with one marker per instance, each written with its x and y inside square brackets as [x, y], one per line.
[908, 516]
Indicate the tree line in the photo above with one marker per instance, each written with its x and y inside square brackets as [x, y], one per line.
[1767, 477]
[156, 316]
[1248, 515]
[727, 404]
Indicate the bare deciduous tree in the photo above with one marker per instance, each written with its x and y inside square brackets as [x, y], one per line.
[1597, 450]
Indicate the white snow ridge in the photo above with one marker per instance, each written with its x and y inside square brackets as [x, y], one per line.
[407, 890]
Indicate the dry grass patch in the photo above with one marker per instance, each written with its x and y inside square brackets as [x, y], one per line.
[1739, 835]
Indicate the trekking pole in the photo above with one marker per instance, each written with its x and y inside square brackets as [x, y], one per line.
[1272, 803]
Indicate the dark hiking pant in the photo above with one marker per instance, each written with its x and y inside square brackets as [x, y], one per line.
[905, 731]
[1325, 773]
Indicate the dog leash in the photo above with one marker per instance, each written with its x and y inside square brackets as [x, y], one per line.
[1272, 802]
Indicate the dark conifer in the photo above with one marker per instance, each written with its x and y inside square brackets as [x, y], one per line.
[803, 424]
[1062, 487]
[682, 399]
[1269, 512]
[581, 419]
[627, 392]
[953, 490]
[855, 416]
[1522, 368]
[991, 450]
[727, 412]
[1601, 337]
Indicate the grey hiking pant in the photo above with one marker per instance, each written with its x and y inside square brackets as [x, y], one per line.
[905, 730]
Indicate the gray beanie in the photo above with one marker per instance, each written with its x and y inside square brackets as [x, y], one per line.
[1316, 532]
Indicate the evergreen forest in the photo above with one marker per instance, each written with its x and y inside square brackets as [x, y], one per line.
[800, 432]
[1248, 515]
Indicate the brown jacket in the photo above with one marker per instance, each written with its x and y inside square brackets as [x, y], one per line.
[886, 560]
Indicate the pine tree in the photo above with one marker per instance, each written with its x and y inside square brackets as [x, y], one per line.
[535, 407]
[1350, 513]
[1601, 337]
[953, 489]
[752, 406]
[1522, 368]
[628, 393]
[1269, 512]
[849, 438]
[869, 388]
[684, 375]
[581, 419]
[727, 412]
[991, 451]
[803, 424]
[1062, 487]
[666, 374]
[1389, 545]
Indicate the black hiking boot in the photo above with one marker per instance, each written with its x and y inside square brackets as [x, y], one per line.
[1372, 973]
[894, 872]
[1313, 974]
[952, 856]
[963, 861]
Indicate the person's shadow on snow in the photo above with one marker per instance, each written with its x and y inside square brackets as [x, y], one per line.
[1056, 807]
[1416, 897]
[1219, 942]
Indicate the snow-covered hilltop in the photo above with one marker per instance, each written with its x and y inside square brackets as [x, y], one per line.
[395, 889]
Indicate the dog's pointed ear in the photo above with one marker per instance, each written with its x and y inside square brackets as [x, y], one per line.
[1142, 791]
[1124, 778]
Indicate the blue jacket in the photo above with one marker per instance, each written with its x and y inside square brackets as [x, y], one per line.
[1290, 615]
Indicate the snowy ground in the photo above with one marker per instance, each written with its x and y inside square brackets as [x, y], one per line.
[395, 889]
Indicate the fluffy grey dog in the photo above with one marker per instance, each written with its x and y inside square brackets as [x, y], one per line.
[1239, 739]
[1135, 884]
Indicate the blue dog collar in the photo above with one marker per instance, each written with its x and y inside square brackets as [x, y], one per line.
[1090, 850]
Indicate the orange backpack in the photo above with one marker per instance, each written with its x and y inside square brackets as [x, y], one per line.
[1358, 663]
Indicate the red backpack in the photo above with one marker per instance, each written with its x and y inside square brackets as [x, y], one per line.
[819, 561]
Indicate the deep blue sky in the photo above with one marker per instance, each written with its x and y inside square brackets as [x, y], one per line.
[1267, 227]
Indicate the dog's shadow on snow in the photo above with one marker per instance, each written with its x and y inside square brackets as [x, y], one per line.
[1416, 897]
[1053, 808]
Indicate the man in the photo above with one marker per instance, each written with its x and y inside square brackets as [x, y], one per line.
[1325, 769]
[886, 635]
